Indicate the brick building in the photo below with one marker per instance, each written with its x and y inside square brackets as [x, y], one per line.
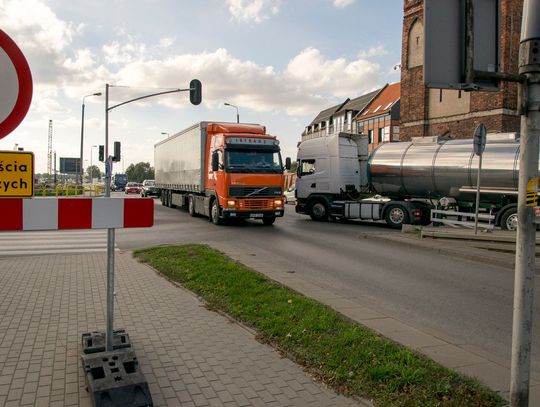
[431, 112]
[380, 118]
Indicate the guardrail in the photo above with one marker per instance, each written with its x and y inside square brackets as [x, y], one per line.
[68, 190]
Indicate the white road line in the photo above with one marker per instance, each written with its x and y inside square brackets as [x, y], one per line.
[53, 242]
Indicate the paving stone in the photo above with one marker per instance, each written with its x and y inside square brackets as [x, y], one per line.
[191, 356]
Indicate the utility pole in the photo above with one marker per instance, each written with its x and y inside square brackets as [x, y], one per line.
[529, 67]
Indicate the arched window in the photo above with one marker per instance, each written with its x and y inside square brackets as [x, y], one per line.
[415, 48]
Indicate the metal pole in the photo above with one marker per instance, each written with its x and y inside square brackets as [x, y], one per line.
[477, 194]
[110, 236]
[526, 233]
[82, 142]
[469, 42]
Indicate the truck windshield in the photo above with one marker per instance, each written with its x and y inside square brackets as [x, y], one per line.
[253, 161]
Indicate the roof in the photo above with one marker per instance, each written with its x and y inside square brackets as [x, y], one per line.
[356, 104]
[382, 103]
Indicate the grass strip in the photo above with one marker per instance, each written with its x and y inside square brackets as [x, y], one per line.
[346, 356]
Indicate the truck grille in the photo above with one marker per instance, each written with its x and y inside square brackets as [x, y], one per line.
[250, 191]
[255, 204]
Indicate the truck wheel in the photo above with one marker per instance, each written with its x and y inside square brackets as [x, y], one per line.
[214, 213]
[191, 206]
[396, 216]
[509, 220]
[318, 211]
[162, 199]
[269, 221]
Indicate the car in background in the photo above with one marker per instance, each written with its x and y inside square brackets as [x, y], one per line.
[290, 196]
[149, 188]
[133, 188]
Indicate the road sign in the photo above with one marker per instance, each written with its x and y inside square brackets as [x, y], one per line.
[445, 51]
[479, 139]
[531, 198]
[16, 174]
[70, 165]
[15, 85]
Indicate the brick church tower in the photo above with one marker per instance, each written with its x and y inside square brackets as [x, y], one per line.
[432, 112]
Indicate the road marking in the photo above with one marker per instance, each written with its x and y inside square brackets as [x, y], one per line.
[53, 242]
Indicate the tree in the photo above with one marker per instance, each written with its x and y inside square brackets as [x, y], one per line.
[93, 171]
[294, 166]
[140, 171]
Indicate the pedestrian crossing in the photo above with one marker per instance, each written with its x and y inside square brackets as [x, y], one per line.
[53, 242]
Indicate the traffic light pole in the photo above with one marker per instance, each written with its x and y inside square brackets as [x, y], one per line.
[195, 97]
[529, 66]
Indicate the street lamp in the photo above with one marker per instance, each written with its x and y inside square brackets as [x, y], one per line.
[165, 133]
[82, 135]
[91, 165]
[236, 107]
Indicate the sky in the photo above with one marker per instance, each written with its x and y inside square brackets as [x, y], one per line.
[279, 61]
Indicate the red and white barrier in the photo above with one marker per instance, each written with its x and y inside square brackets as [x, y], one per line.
[75, 213]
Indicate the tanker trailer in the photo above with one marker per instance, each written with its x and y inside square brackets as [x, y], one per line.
[408, 178]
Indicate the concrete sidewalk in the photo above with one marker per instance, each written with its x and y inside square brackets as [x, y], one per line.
[189, 355]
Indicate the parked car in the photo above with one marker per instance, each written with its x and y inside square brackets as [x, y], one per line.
[149, 188]
[290, 195]
[133, 188]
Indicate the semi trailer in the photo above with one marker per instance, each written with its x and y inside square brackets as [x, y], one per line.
[406, 180]
[222, 171]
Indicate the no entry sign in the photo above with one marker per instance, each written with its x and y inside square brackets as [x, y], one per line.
[15, 85]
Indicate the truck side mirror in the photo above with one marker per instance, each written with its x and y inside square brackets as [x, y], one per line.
[288, 163]
[215, 161]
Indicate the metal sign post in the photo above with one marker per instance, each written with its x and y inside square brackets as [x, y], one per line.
[479, 144]
[195, 96]
[529, 66]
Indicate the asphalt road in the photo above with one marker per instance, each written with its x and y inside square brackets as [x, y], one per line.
[460, 300]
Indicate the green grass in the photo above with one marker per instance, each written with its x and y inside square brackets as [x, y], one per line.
[348, 357]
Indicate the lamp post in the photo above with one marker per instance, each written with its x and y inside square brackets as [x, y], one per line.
[91, 165]
[82, 135]
[236, 107]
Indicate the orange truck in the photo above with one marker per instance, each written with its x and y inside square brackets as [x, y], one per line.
[222, 171]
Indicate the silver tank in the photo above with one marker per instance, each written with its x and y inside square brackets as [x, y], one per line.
[434, 167]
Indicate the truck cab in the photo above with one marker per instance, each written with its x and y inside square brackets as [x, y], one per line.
[329, 168]
[244, 176]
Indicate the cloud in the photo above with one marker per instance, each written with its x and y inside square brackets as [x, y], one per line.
[253, 11]
[309, 82]
[35, 26]
[337, 77]
[371, 52]
[343, 3]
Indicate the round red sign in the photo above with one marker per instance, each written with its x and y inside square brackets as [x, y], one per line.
[15, 85]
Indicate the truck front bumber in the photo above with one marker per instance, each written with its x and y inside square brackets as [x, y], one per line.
[253, 207]
[253, 214]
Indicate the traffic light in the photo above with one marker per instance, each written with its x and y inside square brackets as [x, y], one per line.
[101, 153]
[116, 156]
[195, 91]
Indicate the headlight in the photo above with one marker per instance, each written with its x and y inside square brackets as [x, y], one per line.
[231, 203]
[278, 202]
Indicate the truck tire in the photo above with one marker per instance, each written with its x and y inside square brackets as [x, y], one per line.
[214, 213]
[318, 211]
[396, 215]
[269, 221]
[162, 198]
[509, 219]
[191, 206]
